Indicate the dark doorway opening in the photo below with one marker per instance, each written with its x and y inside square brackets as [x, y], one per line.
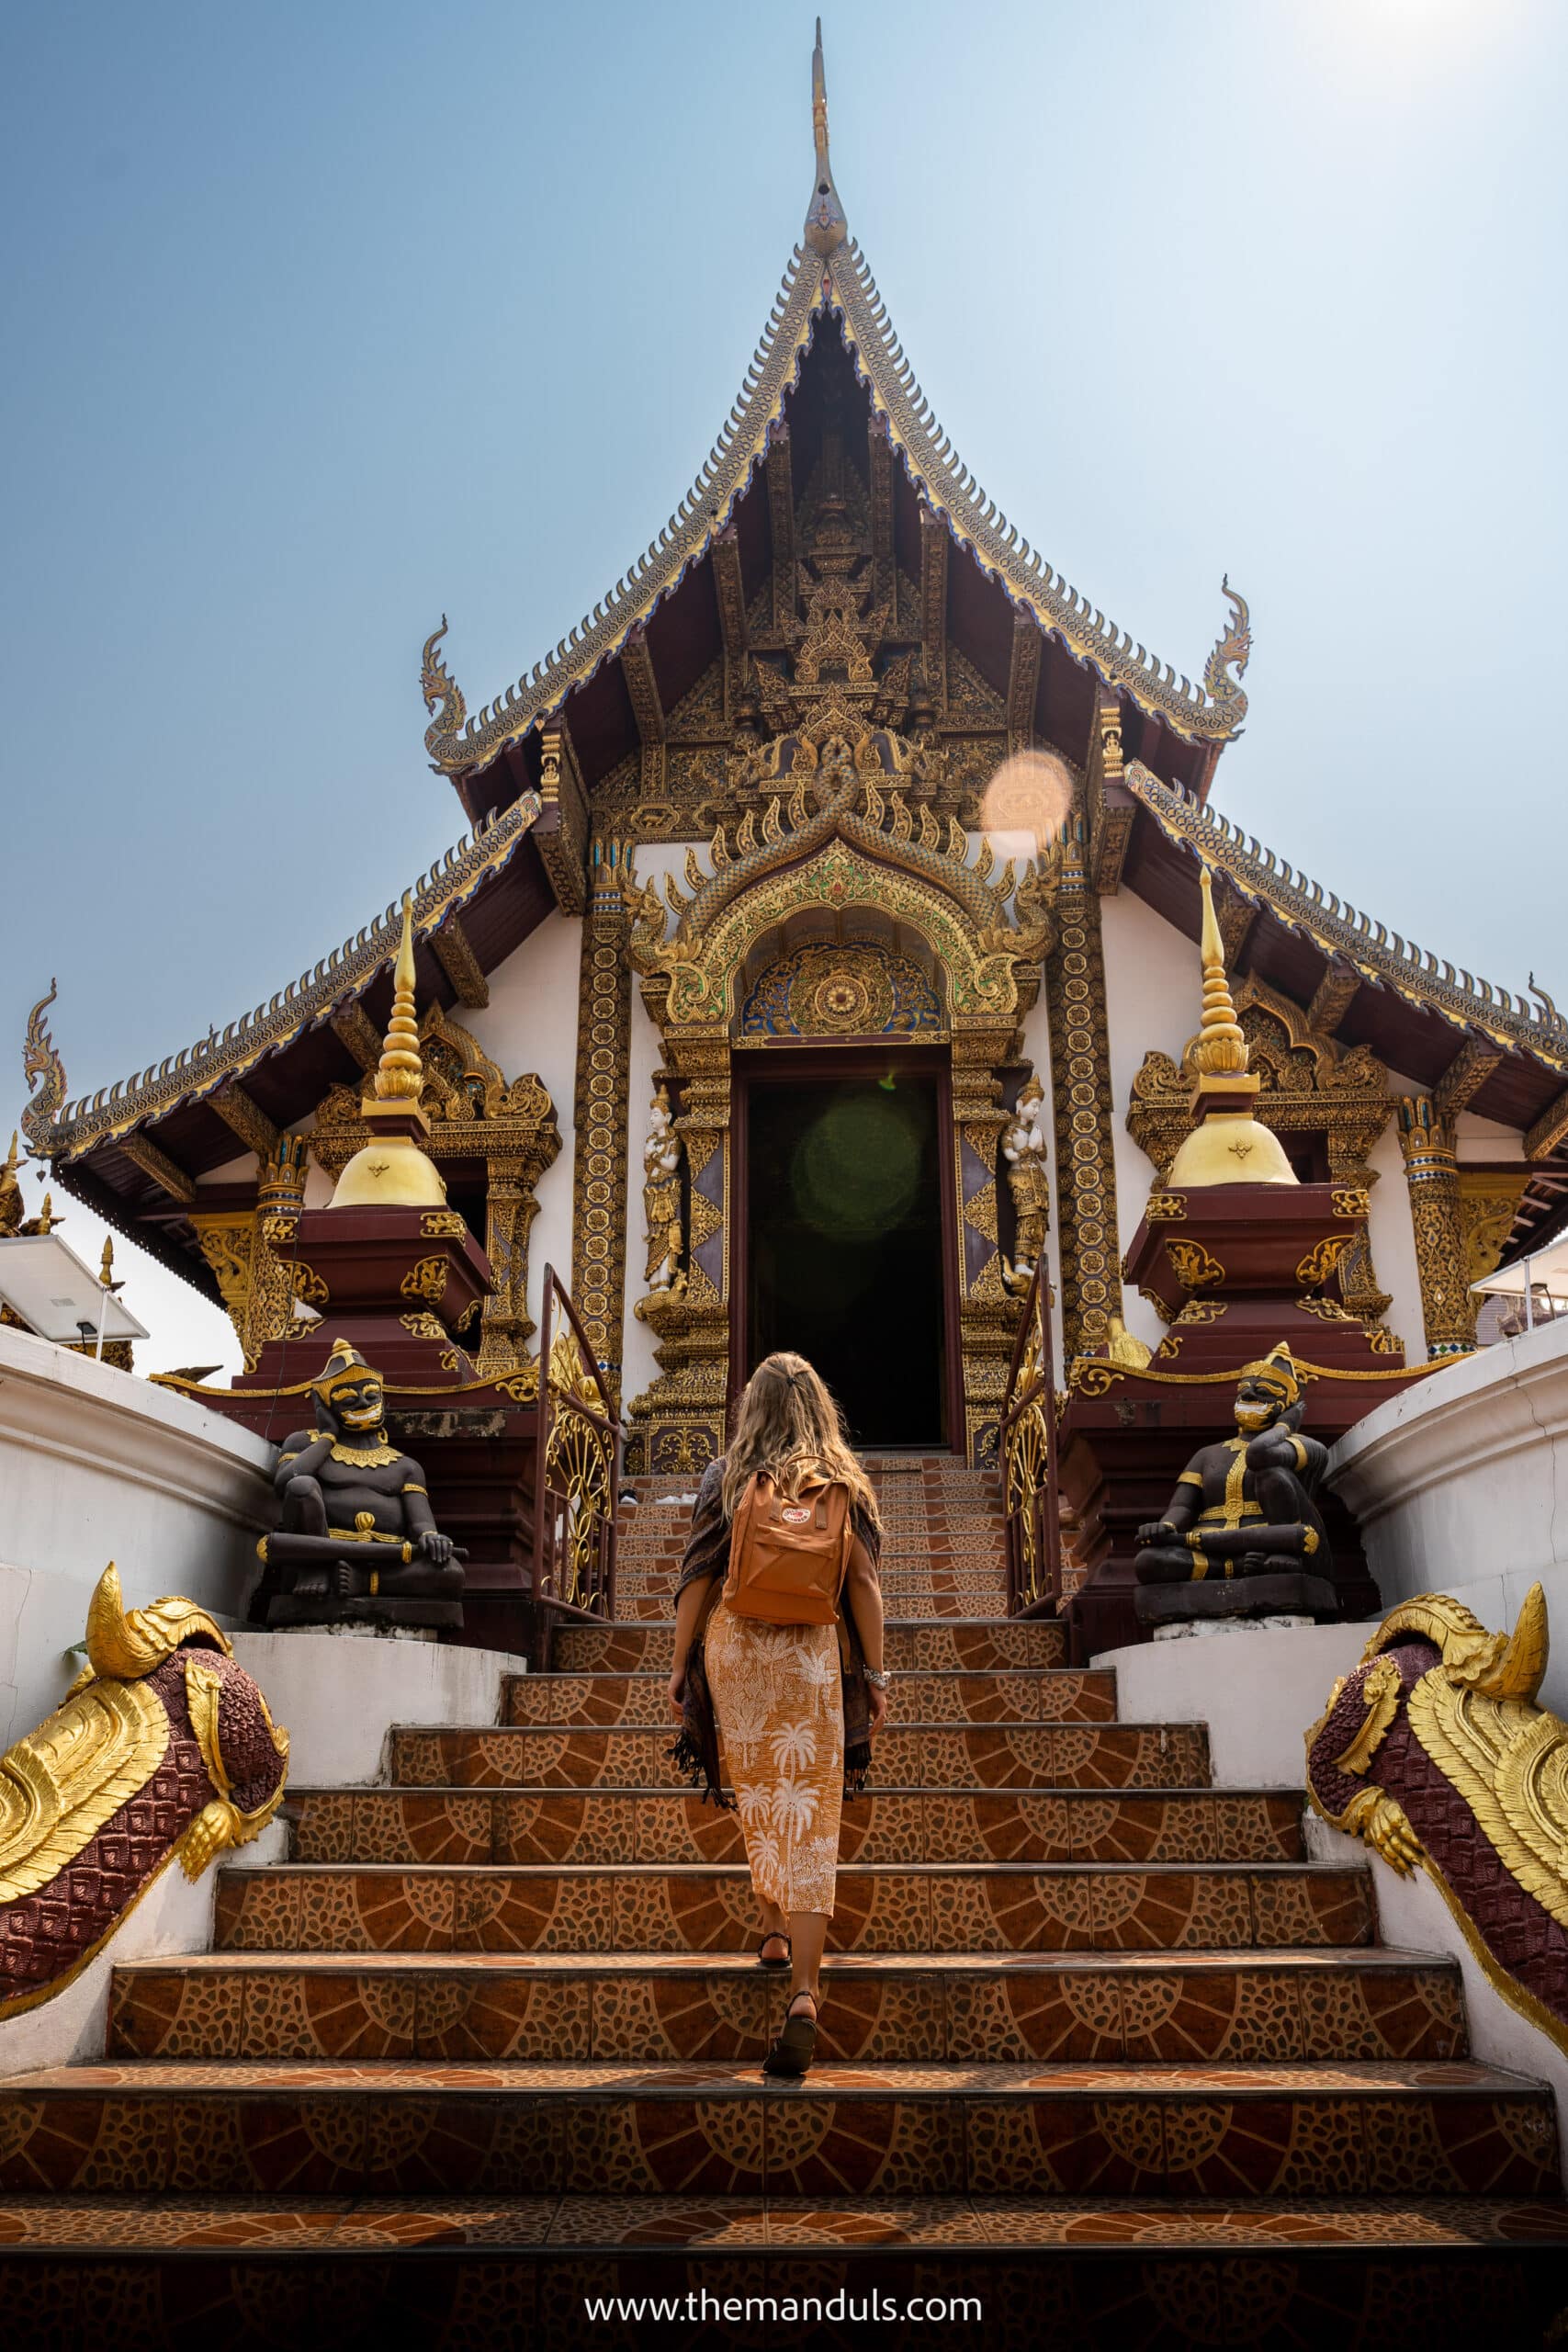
[845, 1245]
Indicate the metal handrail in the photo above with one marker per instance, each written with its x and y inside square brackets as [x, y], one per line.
[1026, 1456]
[577, 1464]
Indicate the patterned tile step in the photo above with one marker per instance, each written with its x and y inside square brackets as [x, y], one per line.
[1210, 2006]
[912, 1908]
[658, 1606]
[943, 1756]
[1013, 1694]
[1345, 2129]
[452, 2226]
[606, 1824]
[975, 1645]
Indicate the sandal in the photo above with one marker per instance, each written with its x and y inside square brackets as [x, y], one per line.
[792, 2053]
[776, 1936]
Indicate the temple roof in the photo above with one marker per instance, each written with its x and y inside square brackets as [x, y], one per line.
[827, 286]
[1046, 664]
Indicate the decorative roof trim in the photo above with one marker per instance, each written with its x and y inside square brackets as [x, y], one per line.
[64, 1130]
[1211, 713]
[456, 742]
[977, 523]
[1338, 929]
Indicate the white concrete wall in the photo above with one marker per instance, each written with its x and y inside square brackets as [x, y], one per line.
[1461, 1487]
[1260, 1694]
[1152, 997]
[338, 1695]
[1256, 1690]
[1393, 1238]
[98, 1466]
[530, 1023]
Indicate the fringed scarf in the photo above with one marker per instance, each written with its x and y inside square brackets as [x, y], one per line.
[695, 1751]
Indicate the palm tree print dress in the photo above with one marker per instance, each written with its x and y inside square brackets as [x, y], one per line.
[781, 1719]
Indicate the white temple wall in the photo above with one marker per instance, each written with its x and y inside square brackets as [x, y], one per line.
[97, 1465]
[1152, 997]
[530, 1023]
[1393, 1238]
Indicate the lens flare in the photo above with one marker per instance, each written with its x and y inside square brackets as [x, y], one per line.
[1030, 792]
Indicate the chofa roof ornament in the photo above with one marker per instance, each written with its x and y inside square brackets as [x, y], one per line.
[826, 227]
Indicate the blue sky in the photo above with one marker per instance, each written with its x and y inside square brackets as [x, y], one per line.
[322, 320]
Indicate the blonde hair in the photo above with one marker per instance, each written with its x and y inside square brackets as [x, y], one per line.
[788, 1426]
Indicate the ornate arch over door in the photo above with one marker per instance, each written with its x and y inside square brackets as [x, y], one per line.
[850, 904]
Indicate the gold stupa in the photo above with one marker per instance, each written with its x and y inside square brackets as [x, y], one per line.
[1228, 1145]
[391, 1170]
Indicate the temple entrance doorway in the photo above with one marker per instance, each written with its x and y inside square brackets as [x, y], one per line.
[845, 1164]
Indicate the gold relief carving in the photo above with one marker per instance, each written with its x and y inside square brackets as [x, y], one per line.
[309, 1286]
[1091, 1378]
[1310, 1087]
[1203, 1310]
[427, 1279]
[1080, 1063]
[1165, 1208]
[438, 1221]
[1447, 1309]
[1195, 1268]
[424, 1326]
[604, 1059]
[1320, 1260]
[1488, 1205]
[980, 1210]
[1326, 1310]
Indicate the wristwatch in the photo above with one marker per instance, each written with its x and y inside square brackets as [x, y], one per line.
[877, 1681]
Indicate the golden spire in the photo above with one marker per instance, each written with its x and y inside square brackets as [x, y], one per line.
[106, 1267]
[399, 1073]
[10, 1167]
[1221, 1045]
[1228, 1145]
[826, 227]
[393, 1171]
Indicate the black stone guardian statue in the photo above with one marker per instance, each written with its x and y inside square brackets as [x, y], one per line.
[356, 1542]
[1241, 1536]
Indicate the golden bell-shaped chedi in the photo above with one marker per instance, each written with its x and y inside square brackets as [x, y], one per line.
[393, 1171]
[1228, 1145]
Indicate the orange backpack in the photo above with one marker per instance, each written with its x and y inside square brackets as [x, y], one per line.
[787, 1559]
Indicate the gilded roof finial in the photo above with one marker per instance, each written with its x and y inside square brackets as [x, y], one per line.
[391, 1170]
[105, 1268]
[1228, 1145]
[826, 227]
[399, 1073]
[1221, 1045]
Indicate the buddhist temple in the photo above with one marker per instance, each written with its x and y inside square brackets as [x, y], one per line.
[848, 946]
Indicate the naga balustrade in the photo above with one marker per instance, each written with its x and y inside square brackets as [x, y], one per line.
[1026, 1454]
[577, 1467]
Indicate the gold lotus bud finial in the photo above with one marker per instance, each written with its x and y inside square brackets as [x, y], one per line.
[105, 1266]
[1222, 1049]
[391, 1170]
[1228, 1145]
[399, 1073]
[826, 227]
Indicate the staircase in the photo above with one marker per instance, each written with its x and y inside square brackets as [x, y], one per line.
[1100, 2049]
